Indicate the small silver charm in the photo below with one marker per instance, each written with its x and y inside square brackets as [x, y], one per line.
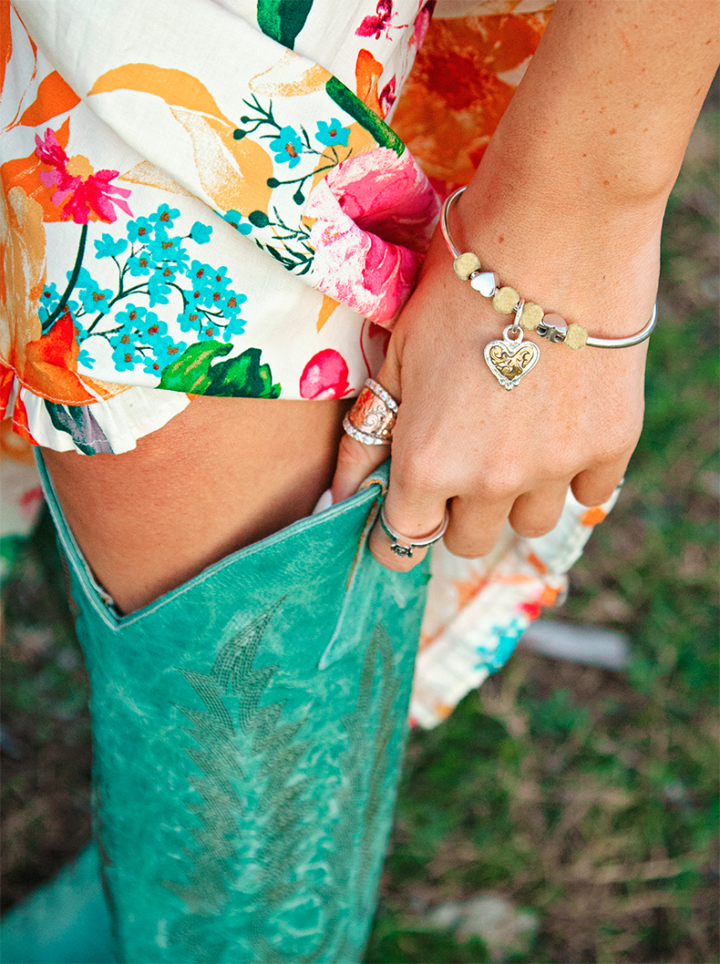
[510, 359]
[486, 282]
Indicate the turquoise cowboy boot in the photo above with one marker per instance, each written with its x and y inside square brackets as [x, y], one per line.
[63, 922]
[248, 730]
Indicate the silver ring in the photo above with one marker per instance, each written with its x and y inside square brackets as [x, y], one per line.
[404, 545]
[372, 418]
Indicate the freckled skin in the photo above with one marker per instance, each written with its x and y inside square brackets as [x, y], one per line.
[585, 206]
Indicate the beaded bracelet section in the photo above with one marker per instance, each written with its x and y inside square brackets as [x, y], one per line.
[511, 359]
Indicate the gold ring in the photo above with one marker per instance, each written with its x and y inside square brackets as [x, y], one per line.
[372, 418]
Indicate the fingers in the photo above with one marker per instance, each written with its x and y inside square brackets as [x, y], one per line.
[481, 496]
[536, 513]
[414, 519]
[595, 486]
[356, 460]
[477, 522]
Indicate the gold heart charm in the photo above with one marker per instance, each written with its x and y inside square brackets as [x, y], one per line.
[510, 360]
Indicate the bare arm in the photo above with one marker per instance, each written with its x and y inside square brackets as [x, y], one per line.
[566, 207]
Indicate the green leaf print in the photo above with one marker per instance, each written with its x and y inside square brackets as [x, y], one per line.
[283, 19]
[243, 377]
[352, 105]
[239, 377]
[191, 371]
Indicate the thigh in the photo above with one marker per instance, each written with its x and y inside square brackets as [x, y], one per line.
[222, 474]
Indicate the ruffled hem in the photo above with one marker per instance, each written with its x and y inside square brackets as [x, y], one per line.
[111, 425]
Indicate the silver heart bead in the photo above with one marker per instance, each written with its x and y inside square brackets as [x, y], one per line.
[485, 282]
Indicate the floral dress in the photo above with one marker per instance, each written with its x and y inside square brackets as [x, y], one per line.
[222, 197]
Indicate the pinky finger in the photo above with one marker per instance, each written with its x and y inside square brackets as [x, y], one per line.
[595, 486]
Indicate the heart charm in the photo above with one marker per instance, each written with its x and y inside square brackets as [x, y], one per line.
[510, 359]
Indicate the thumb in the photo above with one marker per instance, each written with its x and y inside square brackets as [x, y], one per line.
[355, 462]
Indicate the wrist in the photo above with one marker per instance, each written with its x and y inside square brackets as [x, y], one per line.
[596, 265]
[524, 314]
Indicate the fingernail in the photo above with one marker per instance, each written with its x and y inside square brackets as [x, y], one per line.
[324, 502]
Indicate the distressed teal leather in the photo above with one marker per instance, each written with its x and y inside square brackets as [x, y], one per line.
[243, 795]
[66, 921]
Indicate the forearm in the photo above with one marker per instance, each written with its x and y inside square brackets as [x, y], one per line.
[610, 99]
[568, 201]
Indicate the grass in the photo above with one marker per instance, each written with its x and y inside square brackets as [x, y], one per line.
[587, 796]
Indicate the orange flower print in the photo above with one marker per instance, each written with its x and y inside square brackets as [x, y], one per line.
[82, 193]
[459, 87]
[22, 273]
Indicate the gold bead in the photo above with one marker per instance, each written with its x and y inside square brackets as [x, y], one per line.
[531, 316]
[576, 336]
[465, 264]
[505, 300]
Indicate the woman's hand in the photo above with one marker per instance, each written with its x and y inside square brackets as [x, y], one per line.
[566, 207]
[495, 455]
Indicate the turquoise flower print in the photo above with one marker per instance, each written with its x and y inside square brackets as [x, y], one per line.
[148, 325]
[154, 268]
[131, 319]
[85, 359]
[164, 217]
[141, 229]
[158, 291]
[164, 351]
[236, 219]
[235, 326]
[209, 332]
[200, 233]
[163, 249]
[140, 265]
[287, 146]
[217, 280]
[190, 319]
[332, 133]
[155, 331]
[200, 275]
[83, 278]
[109, 247]
[229, 303]
[125, 355]
[94, 298]
[49, 300]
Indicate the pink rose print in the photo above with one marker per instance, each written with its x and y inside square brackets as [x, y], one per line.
[325, 376]
[374, 216]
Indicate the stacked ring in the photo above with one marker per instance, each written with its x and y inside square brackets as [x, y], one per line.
[372, 417]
